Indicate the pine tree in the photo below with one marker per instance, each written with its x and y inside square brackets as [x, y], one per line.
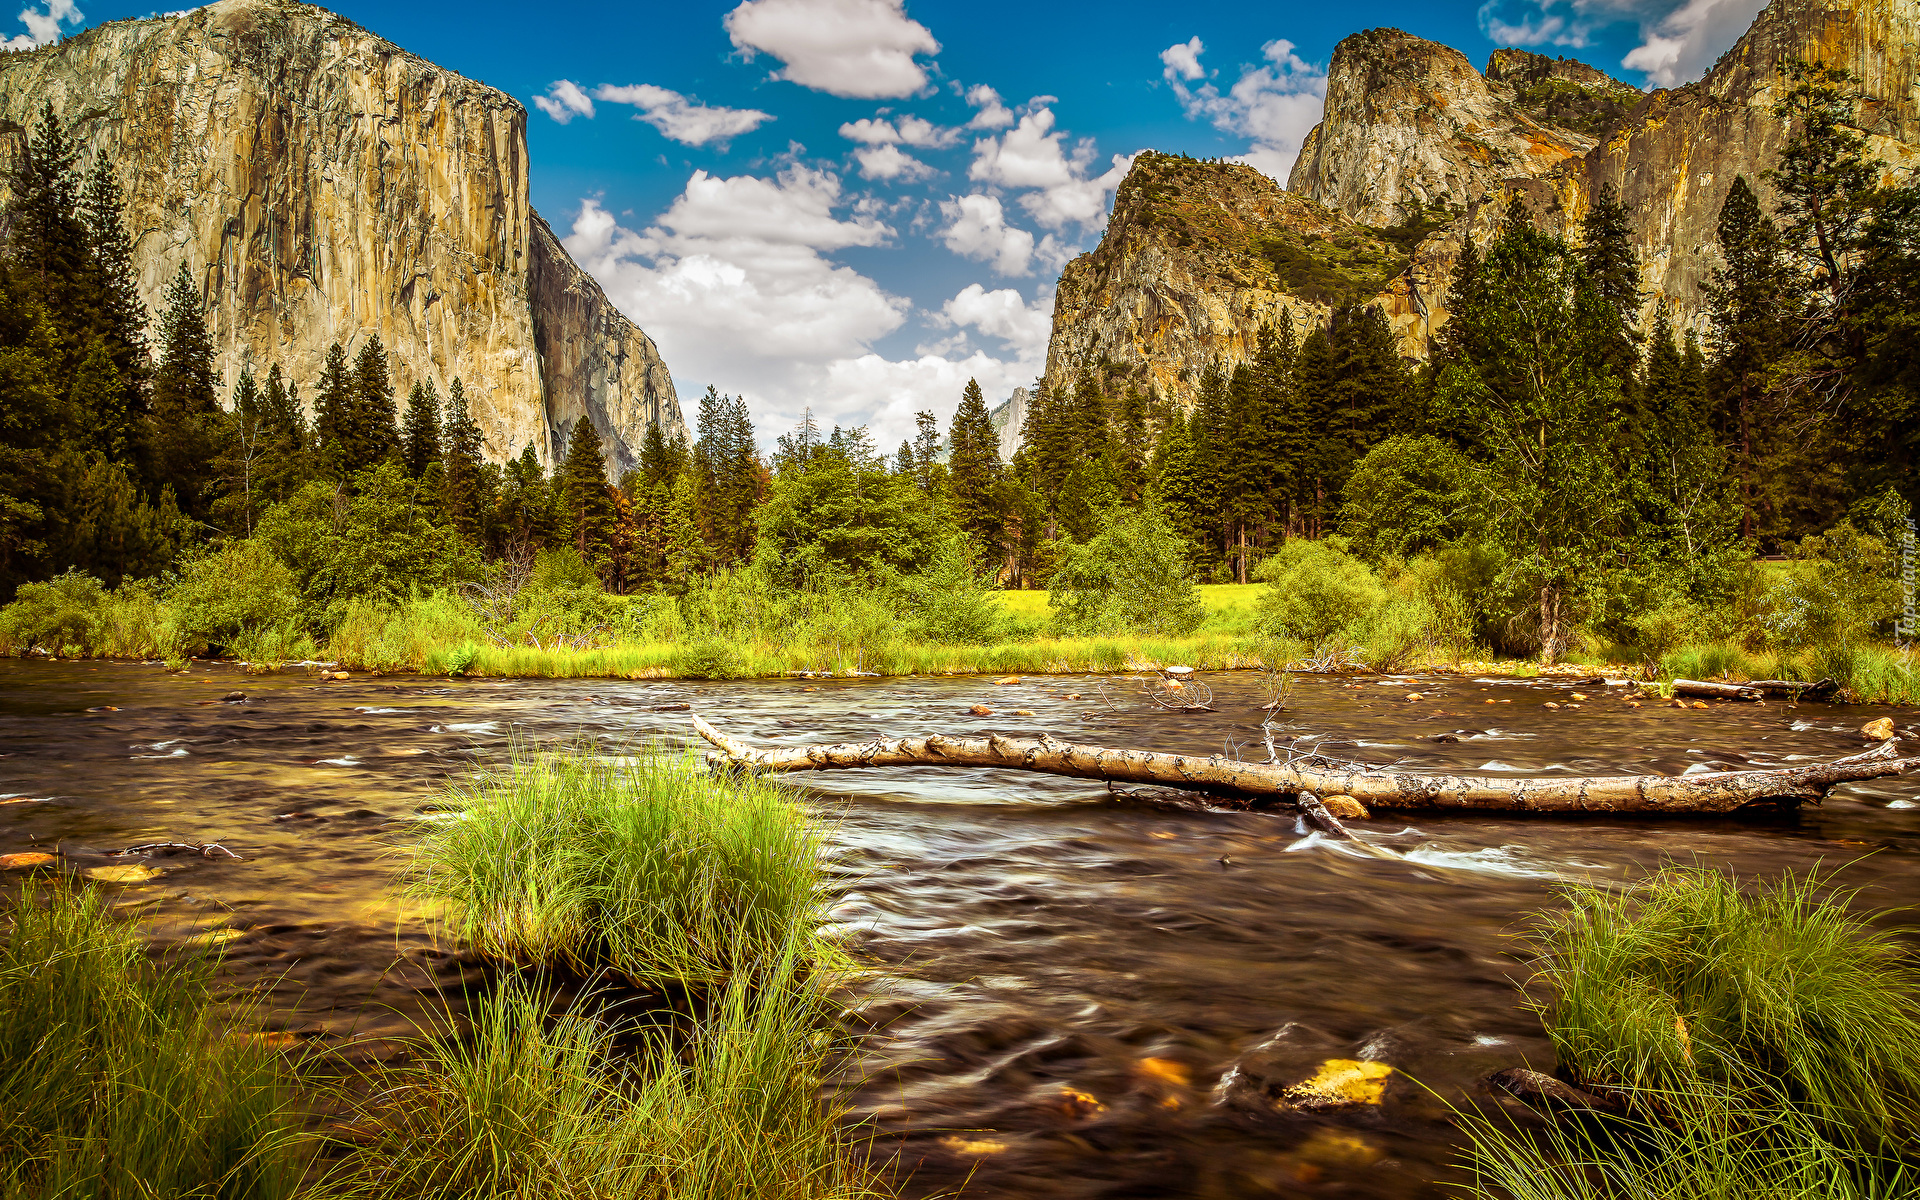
[727, 476]
[1177, 483]
[527, 519]
[422, 437]
[1606, 250]
[48, 240]
[183, 436]
[926, 452]
[99, 404]
[1693, 508]
[1827, 184]
[1453, 341]
[243, 457]
[376, 432]
[1753, 299]
[974, 472]
[110, 530]
[1315, 379]
[587, 512]
[121, 319]
[287, 462]
[334, 425]
[465, 494]
[34, 425]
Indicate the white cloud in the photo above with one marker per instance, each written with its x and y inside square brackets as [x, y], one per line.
[863, 48]
[1182, 61]
[1032, 155]
[1004, 315]
[889, 162]
[910, 130]
[683, 119]
[993, 114]
[1681, 46]
[564, 101]
[978, 230]
[43, 24]
[1275, 105]
[1679, 39]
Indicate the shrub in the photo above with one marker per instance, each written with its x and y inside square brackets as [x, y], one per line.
[947, 603]
[710, 658]
[1840, 589]
[62, 614]
[1130, 578]
[1316, 590]
[240, 587]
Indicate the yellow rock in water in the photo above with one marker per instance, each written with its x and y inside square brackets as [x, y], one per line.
[1346, 808]
[1166, 1071]
[1881, 729]
[1341, 1081]
[975, 1147]
[132, 873]
[25, 859]
[215, 937]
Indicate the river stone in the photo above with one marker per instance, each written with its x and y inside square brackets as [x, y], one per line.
[1879, 730]
[1345, 808]
[128, 873]
[1340, 1083]
[27, 859]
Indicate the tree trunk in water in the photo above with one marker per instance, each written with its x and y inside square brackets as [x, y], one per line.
[1373, 786]
[1715, 691]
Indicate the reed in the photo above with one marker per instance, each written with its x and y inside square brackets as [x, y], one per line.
[118, 1079]
[645, 866]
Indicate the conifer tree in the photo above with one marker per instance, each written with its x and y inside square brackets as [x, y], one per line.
[334, 419]
[1827, 184]
[1753, 300]
[465, 494]
[110, 531]
[49, 242]
[183, 435]
[973, 470]
[1606, 250]
[727, 476]
[1315, 380]
[422, 436]
[1177, 483]
[926, 453]
[120, 317]
[1692, 503]
[587, 513]
[287, 460]
[34, 425]
[99, 404]
[243, 456]
[376, 428]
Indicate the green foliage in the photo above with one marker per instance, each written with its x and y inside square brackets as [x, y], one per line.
[1691, 986]
[1317, 591]
[120, 1080]
[645, 866]
[1349, 269]
[1411, 492]
[947, 603]
[240, 588]
[837, 511]
[60, 615]
[1840, 590]
[381, 543]
[1131, 578]
[185, 434]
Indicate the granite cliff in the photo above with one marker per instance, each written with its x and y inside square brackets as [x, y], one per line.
[323, 185]
[1418, 151]
[1197, 258]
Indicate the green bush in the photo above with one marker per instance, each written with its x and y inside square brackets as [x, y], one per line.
[1841, 588]
[62, 615]
[710, 658]
[1131, 578]
[947, 603]
[241, 587]
[1317, 591]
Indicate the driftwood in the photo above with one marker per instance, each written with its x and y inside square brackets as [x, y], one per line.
[1715, 691]
[1796, 690]
[1372, 785]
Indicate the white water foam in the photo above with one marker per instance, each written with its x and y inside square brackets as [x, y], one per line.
[468, 727]
[344, 761]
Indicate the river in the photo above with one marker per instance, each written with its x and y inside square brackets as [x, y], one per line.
[1076, 995]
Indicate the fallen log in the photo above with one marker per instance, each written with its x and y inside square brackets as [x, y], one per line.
[1372, 785]
[1795, 690]
[1714, 691]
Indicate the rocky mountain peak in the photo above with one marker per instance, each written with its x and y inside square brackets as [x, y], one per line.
[322, 184]
[1562, 92]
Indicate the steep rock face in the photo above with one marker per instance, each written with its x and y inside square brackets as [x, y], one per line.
[322, 185]
[1411, 126]
[1008, 418]
[1675, 157]
[1197, 258]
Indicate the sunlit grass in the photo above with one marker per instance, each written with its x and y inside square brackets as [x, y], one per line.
[645, 866]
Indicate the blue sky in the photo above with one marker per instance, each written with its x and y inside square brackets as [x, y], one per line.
[856, 205]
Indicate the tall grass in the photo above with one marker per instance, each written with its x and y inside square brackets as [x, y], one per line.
[537, 1106]
[117, 1077]
[645, 866]
[1765, 1041]
[1692, 985]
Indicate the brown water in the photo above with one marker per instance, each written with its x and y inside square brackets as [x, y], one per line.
[1082, 996]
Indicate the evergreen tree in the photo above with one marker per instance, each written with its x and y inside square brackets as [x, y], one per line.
[926, 452]
[1369, 394]
[1753, 299]
[727, 476]
[1177, 483]
[1827, 184]
[334, 419]
[35, 424]
[244, 454]
[587, 512]
[121, 320]
[376, 428]
[1606, 250]
[422, 438]
[974, 473]
[1315, 378]
[1453, 341]
[286, 463]
[99, 404]
[48, 241]
[465, 493]
[184, 434]
[1693, 509]
[110, 530]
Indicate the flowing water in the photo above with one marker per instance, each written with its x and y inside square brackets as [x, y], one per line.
[1081, 995]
